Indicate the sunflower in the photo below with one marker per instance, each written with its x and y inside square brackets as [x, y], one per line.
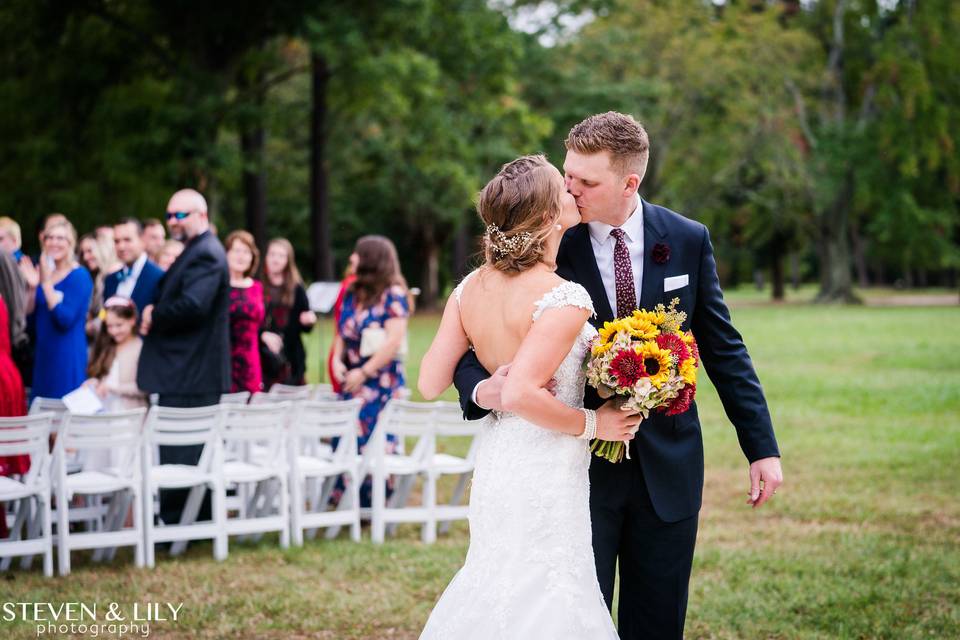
[688, 371]
[653, 317]
[656, 362]
[608, 332]
[641, 328]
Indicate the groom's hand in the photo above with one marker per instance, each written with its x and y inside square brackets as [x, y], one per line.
[768, 472]
[488, 391]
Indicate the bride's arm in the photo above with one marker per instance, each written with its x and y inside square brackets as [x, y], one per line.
[440, 361]
[543, 349]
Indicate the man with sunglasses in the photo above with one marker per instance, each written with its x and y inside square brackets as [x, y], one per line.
[186, 348]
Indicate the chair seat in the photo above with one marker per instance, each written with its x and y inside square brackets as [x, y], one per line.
[178, 475]
[96, 482]
[11, 489]
[310, 466]
[236, 471]
[446, 463]
[402, 465]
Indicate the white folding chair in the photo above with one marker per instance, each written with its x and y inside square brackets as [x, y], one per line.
[237, 397]
[324, 392]
[120, 436]
[404, 419]
[291, 391]
[167, 426]
[316, 464]
[257, 434]
[450, 426]
[29, 435]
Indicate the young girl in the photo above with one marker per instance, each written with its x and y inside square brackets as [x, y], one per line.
[113, 367]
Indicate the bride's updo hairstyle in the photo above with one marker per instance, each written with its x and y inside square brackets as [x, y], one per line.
[512, 206]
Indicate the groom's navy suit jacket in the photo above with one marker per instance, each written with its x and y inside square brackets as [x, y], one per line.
[668, 448]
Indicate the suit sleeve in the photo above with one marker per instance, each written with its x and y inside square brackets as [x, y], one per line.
[468, 375]
[201, 279]
[728, 364]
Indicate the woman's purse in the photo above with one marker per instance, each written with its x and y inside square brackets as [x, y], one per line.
[374, 337]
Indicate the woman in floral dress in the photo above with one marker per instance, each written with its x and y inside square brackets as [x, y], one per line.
[374, 315]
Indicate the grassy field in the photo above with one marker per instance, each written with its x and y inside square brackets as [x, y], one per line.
[862, 541]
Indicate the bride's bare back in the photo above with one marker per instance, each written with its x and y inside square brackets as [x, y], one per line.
[496, 310]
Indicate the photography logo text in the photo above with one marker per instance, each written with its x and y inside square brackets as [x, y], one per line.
[93, 620]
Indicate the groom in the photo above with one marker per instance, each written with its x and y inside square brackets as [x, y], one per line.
[630, 254]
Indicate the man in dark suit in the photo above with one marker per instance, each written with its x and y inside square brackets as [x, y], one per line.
[186, 347]
[139, 278]
[631, 254]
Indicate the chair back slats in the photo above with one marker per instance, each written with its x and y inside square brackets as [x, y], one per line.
[170, 426]
[28, 435]
[315, 421]
[104, 430]
[238, 397]
[290, 391]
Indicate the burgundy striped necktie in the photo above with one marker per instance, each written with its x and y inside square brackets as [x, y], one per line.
[623, 276]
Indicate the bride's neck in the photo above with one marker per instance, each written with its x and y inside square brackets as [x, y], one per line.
[550, 249]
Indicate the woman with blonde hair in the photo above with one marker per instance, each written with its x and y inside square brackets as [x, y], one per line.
[288, 317]
[58, 293]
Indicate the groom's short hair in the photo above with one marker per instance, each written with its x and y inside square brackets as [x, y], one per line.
[618, 134]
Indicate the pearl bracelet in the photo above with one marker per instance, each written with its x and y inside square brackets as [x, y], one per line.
[589, 425]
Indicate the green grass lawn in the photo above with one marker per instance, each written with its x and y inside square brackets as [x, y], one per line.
[862, 541]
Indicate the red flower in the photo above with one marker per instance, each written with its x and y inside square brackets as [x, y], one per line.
[694, 350]
[675, 344]
[661, 253]
[627, 367]
[683, 401]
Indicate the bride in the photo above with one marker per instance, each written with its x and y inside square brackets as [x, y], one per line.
[529, 571]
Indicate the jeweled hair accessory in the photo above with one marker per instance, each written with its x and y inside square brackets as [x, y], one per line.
[503, 244]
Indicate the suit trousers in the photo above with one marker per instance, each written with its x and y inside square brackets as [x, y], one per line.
[655, 557]
[172, 500]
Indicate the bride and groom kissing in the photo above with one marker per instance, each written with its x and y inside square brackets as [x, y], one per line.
[549, 523]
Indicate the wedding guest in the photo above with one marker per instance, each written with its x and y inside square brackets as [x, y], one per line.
[154, 238]
[372, 333]
[13, 289]
[186, 349]
[100, 262]
[11, 405]
[348, 278]
[170, 252]
[10, 238]
[288, 316]
[138, 278]
[58, 295]
[246, 312]
[116, 353]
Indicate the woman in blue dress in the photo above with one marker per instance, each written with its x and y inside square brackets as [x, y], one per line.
[59, 296]
[372, 334]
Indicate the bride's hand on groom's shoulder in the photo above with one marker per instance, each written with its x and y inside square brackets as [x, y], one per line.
[614, 424]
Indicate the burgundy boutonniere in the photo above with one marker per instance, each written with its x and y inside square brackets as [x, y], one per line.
[661, 253]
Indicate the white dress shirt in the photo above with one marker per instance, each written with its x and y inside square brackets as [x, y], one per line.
[126, 286]
[603, 244]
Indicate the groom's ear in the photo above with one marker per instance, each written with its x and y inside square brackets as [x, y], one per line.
[631, 184]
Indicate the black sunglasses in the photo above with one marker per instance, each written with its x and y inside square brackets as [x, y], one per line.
[179, 215]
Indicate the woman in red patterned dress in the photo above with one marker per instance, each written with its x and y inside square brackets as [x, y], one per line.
[12, 403]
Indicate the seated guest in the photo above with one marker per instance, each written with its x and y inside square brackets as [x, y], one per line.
[246, 312]
[116, 353]
[58, 295]
[171, 251]
[138, 278]
[154, 238]
[288, 317]
[10, 238]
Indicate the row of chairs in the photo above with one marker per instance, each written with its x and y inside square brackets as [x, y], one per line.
[272, 463]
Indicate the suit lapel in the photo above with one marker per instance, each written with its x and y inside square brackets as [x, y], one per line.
[584, 264]
[654, 231]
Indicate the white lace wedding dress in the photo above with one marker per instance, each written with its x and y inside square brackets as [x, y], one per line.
[529, 571]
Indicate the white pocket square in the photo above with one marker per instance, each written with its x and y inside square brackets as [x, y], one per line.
[675, 282]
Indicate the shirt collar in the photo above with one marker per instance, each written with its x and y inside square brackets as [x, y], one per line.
[633, 227]
[137, 266]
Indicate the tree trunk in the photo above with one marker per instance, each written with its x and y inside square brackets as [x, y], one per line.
[319, 211]
[836, 280]
[430, 273]
[777, 271]
[461, 248]
[859, 253]
[252, 137]
[795, 270]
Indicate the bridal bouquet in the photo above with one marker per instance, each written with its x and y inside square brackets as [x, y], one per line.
[647, 362]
